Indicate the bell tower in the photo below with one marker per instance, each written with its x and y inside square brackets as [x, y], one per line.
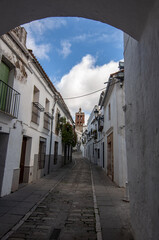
[79, 120]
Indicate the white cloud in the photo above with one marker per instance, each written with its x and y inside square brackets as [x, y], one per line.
[66, 48]
[115, 37]
[84, 78]
[35, 31]
[40, 50]
[40, 26]
[83, 37]
[86, 118]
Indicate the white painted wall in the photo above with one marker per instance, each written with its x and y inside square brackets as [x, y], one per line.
[142, 127]
[116, 125]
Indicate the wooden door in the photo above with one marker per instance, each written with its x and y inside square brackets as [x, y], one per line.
[110, 157]
[22, 159]
[42, 153]
[55, 152]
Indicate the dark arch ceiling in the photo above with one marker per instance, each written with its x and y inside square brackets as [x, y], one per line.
[127, 15]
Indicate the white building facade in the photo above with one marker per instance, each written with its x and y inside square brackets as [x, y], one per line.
[91, 133]
[114, 130]
[30, 107]
[105, 144]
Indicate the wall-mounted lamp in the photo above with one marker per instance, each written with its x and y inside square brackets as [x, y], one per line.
[96, 112]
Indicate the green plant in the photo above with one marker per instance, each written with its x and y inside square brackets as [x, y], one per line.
[60, 123]
[68, 134]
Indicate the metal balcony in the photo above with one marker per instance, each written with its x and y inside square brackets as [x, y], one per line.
[9, 100]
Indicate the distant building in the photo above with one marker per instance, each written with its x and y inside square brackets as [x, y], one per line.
[79, 120]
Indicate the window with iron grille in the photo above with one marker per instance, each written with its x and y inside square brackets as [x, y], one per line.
[35, 114]
[36, 107]
[47, 115]
[35, 111]
[47, 121]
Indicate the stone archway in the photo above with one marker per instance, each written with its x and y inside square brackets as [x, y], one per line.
[138, 18]
[129, 16]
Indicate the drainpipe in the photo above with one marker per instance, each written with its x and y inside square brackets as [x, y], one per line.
[52, 118]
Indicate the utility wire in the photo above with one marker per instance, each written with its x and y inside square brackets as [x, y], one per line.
[89, 93]
[85, 94]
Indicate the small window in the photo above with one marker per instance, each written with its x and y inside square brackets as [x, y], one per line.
[47, 115]
[35, 111]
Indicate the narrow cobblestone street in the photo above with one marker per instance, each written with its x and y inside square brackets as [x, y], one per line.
[68, 213]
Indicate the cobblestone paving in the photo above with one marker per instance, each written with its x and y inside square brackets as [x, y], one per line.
[67, 213]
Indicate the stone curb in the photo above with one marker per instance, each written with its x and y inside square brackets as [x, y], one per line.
[96, 210]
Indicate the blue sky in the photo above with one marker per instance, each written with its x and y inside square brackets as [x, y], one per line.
[78, 53]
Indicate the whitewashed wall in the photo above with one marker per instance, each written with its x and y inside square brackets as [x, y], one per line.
[142, 127]
[116, 125]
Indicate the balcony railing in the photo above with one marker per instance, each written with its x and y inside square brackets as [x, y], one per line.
[9, 100]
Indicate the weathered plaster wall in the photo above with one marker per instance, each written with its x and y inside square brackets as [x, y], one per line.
[142, 128]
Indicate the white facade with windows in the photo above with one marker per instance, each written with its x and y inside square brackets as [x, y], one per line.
[91, 151]
[114, 131]
[28, 100]
[105, 144]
